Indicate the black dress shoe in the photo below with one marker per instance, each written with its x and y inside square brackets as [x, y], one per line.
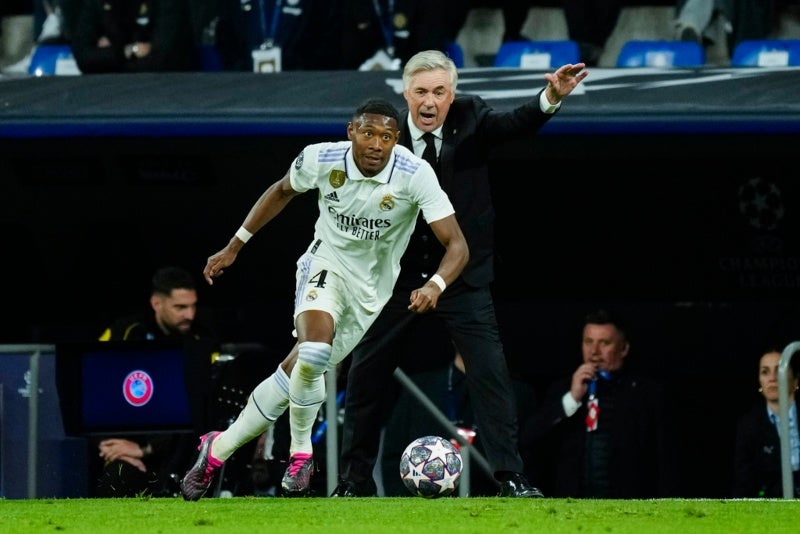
[347, 488]
[518, 486]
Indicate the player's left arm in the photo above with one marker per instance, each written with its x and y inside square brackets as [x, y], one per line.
[456, 256]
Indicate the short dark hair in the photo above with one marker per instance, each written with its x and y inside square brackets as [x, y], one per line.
[167, 279]
[378, 106]
[603, 316]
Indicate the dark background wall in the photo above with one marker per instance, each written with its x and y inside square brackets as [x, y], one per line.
[666, 227]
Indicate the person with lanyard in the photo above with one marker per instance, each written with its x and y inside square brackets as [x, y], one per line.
[384, 34]
[278, 35]
[605, 431]
[757, 456]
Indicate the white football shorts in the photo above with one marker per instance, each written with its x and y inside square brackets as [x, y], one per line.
[318, 287]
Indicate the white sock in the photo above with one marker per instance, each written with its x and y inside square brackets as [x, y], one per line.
[307, 393]
[267, 402]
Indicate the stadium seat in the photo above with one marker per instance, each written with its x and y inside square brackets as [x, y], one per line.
[455, 52]
[766, 53]
[661, 54]
[53, 59]
[537, 54]
[209, 58]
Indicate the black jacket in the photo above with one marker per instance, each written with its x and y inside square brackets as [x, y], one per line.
[142, 326]
[757, 457]
[306, 30]
[166, 24]
[642, 452]
[471, 130]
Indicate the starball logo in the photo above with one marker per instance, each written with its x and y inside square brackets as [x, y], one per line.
[137, 388]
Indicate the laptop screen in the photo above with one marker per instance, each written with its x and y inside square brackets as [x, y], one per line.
[127, 387]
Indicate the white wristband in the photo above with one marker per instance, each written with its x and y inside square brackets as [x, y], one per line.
[439, 281]
[243, 234]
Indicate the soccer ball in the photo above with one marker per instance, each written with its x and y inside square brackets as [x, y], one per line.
[430, 467]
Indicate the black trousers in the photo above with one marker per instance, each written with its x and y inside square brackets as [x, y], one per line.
[470, 320]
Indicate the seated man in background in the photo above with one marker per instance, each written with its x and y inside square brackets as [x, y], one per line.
[152, 464]
[608, 423]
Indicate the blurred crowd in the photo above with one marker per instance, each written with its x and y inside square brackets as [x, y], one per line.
[261, 35]
[276, 35]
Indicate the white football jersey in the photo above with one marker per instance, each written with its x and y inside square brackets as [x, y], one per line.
[365, 224]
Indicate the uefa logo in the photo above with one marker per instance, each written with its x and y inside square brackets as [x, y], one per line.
[137, 388]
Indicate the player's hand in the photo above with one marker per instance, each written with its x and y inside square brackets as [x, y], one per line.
[425, 298]
[217, 263]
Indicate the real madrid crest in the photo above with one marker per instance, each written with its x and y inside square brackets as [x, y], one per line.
[299, 161]
[337, 178]
[311, 296]
[387, 203]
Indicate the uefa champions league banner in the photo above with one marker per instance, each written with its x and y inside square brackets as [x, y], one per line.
[646, 100]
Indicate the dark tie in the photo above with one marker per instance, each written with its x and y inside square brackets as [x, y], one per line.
[429, 154]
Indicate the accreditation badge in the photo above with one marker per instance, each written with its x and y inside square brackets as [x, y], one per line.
[267, 60]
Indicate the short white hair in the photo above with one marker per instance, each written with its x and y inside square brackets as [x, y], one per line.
[429, 60]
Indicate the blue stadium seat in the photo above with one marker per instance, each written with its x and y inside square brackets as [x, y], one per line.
[53, 59]
[209, 59]
[455, 52]
[544, 55]
[766, 53]
[661, 54]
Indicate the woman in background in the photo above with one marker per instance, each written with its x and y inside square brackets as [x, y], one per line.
[758, 449]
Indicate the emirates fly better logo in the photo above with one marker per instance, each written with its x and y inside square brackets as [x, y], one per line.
[137, 388]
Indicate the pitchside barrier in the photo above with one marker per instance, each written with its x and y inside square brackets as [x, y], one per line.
[36, 458]
[783, 400]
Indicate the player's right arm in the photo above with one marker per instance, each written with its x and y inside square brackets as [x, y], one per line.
[267, 207]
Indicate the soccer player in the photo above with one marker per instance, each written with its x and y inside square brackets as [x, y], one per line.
[371, 191]
[459, 133]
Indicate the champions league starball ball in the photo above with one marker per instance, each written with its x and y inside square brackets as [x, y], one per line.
[430, 467]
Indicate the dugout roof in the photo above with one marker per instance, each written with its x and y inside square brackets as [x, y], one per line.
[708, 100]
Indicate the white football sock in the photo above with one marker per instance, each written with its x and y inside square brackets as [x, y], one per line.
[307, 392]
[267, 402]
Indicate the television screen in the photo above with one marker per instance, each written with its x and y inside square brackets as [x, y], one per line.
[130, 386]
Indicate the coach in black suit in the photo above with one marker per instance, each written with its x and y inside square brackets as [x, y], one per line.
[463, 129]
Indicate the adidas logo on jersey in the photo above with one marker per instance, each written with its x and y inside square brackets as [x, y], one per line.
[333, 197]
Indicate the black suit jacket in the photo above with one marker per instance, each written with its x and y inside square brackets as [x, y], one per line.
[757, 458]
[472, 128]
[167, 28]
